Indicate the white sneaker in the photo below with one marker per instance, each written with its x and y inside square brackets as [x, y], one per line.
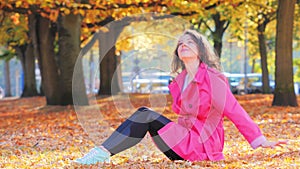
[94, 156]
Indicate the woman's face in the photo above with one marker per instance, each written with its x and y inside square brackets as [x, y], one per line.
[187, 48]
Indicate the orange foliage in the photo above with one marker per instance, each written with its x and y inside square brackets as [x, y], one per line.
[37, 136]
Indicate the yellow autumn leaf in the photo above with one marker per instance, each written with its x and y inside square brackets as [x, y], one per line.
[31, 1]
[82, 12]
[18, 3]
[65, 10]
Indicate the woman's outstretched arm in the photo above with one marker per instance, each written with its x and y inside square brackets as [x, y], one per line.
[234, 111]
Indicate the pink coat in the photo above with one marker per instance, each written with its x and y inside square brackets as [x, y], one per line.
[199, 134]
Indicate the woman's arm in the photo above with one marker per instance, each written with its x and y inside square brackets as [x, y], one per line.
[240, 118]
[250, 130]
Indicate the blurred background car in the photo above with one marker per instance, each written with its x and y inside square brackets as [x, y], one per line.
[2, 94]
[254, 83]
[151, 83]
[147, 81]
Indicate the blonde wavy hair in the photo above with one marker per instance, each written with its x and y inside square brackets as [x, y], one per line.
[207, 53]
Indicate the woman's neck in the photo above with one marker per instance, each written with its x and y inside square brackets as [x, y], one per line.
[192, 67]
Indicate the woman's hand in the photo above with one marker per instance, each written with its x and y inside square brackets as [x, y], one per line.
[273, 144]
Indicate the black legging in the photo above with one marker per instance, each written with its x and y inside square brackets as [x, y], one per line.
[133, 130]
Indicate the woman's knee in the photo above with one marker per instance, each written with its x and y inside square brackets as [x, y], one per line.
[143, 108]
[144, 114]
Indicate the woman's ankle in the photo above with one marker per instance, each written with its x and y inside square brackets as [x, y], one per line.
[104, 149]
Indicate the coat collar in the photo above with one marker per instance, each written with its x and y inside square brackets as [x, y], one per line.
[177, 84]
[199, 77]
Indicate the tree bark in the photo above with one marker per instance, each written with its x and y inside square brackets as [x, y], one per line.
[91, 73]
[69, 47]
[220, 28]
[25, 54]
[253, 65]
[33, 33]
[284, 94]
[30, 82]
[7, 79]
[108, 67]
[109, 74]
[263, 58]
[49, 67]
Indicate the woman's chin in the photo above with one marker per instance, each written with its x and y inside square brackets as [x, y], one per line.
[188, 58]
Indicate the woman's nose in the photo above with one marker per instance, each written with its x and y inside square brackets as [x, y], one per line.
[183, 45]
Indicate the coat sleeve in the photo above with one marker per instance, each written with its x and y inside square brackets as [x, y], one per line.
[249, 129]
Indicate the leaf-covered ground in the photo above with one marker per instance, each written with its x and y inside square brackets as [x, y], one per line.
[33, 135]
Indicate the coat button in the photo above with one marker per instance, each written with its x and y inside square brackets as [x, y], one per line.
[190, 105]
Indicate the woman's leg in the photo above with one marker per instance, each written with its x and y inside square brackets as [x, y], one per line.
[128, 134]
[153, 130]
[133, 130]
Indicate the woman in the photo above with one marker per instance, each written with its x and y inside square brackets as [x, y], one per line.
[201, 98]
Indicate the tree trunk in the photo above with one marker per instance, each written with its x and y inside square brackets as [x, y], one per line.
[69, 47]
[25, 54]
[253, 65]
[49, 69]
[109, 74]
[220, 28]
[7, 79]
[33, 32]
[92, 73]
[263, 58]
[29, 77]
[108, 67]
[284, 94]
